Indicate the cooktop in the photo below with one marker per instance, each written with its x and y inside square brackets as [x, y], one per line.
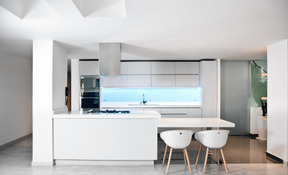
[109, 111]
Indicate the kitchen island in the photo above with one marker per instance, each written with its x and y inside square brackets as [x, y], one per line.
[105, 137]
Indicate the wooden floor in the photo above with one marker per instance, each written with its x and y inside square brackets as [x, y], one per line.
[16, 159]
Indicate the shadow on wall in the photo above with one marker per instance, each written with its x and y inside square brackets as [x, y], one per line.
[133, 51]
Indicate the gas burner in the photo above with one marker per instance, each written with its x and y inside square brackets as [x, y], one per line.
[114, 111]
[109, 111]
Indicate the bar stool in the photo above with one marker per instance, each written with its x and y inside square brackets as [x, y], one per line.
[212, 139]
[177, 139]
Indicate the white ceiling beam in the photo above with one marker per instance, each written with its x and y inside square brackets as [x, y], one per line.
[38, 9]
[13, 6]
[28, 9]
[101, 8]
[66, 8]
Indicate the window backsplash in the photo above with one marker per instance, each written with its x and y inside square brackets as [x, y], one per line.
[135, 95]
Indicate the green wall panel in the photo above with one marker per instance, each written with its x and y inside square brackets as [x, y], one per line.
[258, 83]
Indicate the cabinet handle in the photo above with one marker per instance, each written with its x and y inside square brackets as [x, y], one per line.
[173, 114]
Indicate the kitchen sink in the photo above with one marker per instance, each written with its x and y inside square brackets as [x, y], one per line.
[143, 105]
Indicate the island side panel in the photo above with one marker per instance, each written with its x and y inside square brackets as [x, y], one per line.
[105, 139]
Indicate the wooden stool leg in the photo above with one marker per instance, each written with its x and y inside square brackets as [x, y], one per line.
[206, 157]
[164, 157]
[184, 157]
[198, 155]
[168, 165]
[185, 150]
[224, 160]
[218, 162]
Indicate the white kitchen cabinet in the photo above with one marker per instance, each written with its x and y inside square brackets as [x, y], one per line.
[187, 80]
[88, 67]
[194, 112]
[186, 67]
[162, 68]
[174, 113]
[138, 80]
[135, 109]
[138, 68]
[163, 80]
[105, 139]
[114, 81]
[153, 109]
[123, 68]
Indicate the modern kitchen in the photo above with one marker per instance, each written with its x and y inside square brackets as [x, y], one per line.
[102, 97]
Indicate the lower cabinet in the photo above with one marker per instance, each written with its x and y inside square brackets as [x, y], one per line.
[105, 139]
[194, 113]
[174, 113]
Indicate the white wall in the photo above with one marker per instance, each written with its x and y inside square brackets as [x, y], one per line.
[277, 122]
[75, 85]
[15, 98]
[49, 82]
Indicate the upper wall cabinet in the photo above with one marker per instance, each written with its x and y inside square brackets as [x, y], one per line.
[157, 74]
[163, 80]
[123, 68]
[88, 67]
[138, 68]
[187, 80]
[162, 68]
[135, 68]
[186, 67]
[138, 80]
[114, 81]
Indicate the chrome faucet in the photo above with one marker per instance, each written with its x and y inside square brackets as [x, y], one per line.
[143, 101]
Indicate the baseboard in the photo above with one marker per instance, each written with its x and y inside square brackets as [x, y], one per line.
[275, 158]
[14, 141]
[104, 163]
[36, 163]
[253, 136]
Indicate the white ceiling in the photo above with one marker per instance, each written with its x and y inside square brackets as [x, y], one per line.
[147, 29]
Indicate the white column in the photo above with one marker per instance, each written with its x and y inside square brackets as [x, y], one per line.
[277, 122]
[75, 85]
[218, 88]
[42, 102]
[209, 88]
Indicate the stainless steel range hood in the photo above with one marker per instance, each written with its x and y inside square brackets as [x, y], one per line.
[109, 59]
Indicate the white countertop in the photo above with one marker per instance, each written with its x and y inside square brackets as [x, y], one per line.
[194, 123]
[127, 105]
[151, 106]
[85, 115]
[163, 122]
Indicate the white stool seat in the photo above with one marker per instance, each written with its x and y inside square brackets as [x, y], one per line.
[212, 139]
[177, 139]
